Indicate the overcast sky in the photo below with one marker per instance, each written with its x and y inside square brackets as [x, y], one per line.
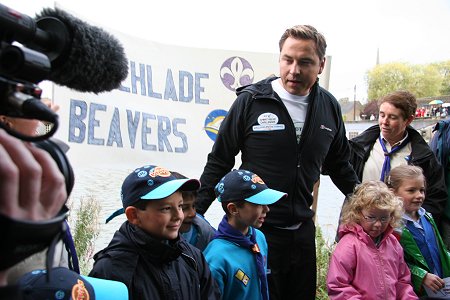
[413, 31]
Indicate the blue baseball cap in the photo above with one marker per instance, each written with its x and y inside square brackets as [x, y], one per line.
[151, 183]
[245, 185]
[64, 284]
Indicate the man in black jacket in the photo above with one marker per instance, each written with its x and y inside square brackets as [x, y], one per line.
[147, 253]
[286, 129]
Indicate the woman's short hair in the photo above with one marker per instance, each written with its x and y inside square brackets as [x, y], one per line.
[403, 100]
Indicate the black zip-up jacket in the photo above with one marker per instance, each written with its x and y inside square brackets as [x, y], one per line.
[152, 269]
[259, 125]
[421, 156]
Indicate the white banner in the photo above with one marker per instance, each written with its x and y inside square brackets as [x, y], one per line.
[165, 113]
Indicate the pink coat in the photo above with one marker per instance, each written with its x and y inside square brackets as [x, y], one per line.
[360, 270]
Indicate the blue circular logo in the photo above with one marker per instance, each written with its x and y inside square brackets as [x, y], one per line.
[141, 174]
[213, 122]
[220, 188]
[59, 294]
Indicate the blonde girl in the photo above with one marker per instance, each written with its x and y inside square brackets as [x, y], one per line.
[368, 262]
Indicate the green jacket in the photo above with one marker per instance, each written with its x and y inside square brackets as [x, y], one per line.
[416, 261]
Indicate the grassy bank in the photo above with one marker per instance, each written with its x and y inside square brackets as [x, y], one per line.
[323, 253]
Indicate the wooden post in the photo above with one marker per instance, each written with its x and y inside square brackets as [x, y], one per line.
[315, 199]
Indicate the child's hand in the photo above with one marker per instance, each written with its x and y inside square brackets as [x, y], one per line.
[433, 282]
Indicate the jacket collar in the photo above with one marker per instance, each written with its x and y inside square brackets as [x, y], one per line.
[263, 89]
[133, 239]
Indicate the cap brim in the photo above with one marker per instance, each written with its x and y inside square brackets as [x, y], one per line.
[108, 289]
[170, 187]
[266, 197]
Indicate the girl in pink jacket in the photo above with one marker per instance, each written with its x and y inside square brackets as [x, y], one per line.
[368, 262]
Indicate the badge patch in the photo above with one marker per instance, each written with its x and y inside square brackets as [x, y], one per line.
[268, 122]
[242, 277]
[79, 291]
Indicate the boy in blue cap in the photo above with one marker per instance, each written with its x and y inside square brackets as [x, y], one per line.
[237, 256]
[194, 229]
[63, 283]
[146, 253]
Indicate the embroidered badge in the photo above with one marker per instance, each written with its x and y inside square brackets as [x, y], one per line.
[242, 277]
[79, 291]
[257, 179]
[268, 122]
[159, 171]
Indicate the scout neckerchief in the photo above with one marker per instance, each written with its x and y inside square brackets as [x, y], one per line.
[387, 155]
[227, 232]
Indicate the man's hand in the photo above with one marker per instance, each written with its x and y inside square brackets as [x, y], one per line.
[31, 185]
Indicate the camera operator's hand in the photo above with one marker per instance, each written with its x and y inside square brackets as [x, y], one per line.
[31, 185]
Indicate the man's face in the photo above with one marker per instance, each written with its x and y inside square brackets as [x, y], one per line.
[299, 66]
[189, 212]
[162, 218]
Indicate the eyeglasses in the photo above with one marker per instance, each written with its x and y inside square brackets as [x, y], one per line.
[372, 220]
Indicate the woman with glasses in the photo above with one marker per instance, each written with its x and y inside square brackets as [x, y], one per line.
[368, 262]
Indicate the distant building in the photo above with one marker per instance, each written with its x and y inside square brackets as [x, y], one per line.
[371, 108]
[351, 111]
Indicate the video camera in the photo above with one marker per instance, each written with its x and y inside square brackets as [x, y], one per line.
[58, 47]
[21, 69]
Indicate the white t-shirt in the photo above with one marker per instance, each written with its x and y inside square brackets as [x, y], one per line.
[297, 106]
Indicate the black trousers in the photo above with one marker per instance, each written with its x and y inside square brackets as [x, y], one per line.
[292, 262]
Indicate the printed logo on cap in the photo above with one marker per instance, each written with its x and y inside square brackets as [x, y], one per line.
[79, 291]
[257, 179]
[159, 171]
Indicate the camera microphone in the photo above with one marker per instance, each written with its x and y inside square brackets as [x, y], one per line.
[83, 57]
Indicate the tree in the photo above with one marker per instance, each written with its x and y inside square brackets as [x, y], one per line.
[444, 70]
[421, 80]
[427, 81]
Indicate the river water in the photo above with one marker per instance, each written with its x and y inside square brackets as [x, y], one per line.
[104, 186]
